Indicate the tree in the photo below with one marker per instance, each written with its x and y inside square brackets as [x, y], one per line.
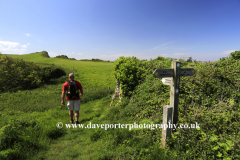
[62, 56]
[45, 54]
[160, 58]
[189, 59]
[129, 72]
[235, 55]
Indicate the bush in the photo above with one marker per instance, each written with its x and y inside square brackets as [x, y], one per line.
[235, 55]
[17, 74]
[62, 56]
[45, 54]
[189, 59]
[210, 97]
[96, 60]
[160, 58]
[129, 73]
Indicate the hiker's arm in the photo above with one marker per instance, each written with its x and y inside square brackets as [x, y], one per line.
[81, 90]
[63, 95]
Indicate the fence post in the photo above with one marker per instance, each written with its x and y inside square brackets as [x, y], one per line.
[167, 120]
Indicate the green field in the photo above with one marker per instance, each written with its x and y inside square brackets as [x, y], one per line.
[91, 74]
[28, 118]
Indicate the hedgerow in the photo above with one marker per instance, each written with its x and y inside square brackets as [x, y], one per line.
[17, 74]
[210, 98]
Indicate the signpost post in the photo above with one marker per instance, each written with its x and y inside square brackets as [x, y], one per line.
[171, 77]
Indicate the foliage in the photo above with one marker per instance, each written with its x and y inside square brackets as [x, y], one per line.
[45, 54]
[235, 55]
[160, 58]
[183, 62]
[62, 56]
[189, 59]
[21, 137]
[210, 97]
[17, 74]
[94, 60]
[129, 73]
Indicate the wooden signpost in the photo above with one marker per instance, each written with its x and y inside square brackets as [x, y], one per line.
[171, 77]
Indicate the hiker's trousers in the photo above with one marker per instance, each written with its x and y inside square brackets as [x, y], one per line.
[73, 105]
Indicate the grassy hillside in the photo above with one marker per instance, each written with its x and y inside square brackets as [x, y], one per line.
[210, 98]
[92, 75]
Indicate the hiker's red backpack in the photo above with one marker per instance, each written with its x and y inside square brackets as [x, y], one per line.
[72, 90]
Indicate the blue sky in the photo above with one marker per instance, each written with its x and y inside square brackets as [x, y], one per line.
[107, 29]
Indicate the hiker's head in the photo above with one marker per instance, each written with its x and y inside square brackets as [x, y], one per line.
[71, 77]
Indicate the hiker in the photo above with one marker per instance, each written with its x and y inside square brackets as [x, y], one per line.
[72, 87]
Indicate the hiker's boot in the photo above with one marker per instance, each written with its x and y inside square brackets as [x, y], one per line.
[71, 121]
[76, 122]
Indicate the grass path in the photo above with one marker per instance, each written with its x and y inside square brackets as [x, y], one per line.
[76, 143]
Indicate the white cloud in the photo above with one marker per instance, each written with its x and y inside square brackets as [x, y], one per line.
[229, 51]
[27, 34]
[9, 44]
[12, 47]
[25, 46]
[52, 54]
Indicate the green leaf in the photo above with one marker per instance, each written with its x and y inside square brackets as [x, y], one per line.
[221, 144]
[216, 148]
[230, 143]
[219, 154]
[213, 138]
